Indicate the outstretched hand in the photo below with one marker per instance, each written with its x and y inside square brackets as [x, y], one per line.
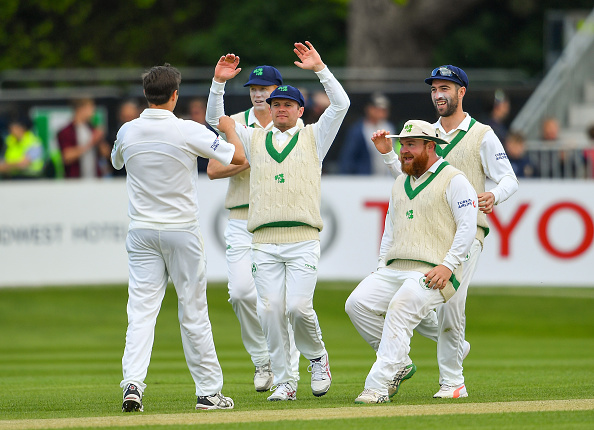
[310, 59]
[226, 68]
[382, 143]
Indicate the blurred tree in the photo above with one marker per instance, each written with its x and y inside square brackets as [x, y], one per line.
[469, 33]
[114, 33]
[361, 33]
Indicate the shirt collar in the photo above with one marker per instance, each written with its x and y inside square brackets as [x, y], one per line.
[290, 132]
[156, 113]
[253, 120]
[464, 125]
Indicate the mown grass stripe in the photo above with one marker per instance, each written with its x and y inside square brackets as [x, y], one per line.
[363, 411]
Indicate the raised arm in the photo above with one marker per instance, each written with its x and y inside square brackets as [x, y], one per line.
[225, 69]
[310, 59]
[327, 127]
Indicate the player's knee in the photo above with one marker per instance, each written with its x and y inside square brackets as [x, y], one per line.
[299, 308]
[353, 305]
[242, 293]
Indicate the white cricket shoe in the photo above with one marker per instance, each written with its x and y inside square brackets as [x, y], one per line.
[321, 378]
[451, 392]
[283, 391]
[370, 396]
[466, 350]
[263, 378]
[402, 375]
[216, 401]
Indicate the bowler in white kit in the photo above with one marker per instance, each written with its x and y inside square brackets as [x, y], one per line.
[164, 241]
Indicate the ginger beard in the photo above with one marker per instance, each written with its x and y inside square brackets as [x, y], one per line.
[415, 165]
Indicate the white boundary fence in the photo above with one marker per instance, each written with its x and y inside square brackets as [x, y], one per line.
[73, 232]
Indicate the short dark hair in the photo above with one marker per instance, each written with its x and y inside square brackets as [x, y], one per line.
[159, 83]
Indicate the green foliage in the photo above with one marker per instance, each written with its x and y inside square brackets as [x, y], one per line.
[501, 34]
[141, 33]
[112, 33]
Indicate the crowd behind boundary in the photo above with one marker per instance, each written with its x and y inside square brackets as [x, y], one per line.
[81, 148]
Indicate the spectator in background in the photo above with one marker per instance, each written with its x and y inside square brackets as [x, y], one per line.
[499, 114]
[128, 110]
[358, 155]
[550, 130]
[317, 104]
[85, 152]
[23, 153]
[556, 159]
[197, 112]
[515, 147]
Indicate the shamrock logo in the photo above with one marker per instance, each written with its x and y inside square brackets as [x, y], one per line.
[280, 178]
[282, 88]
[409, 214]
[258, 71]
[408, 128]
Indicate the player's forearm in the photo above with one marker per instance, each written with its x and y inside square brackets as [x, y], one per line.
[463, 203]
[506, 187]
[393, 163]
[215, 106]
[329, 123]
[215, 170]
[239, 154]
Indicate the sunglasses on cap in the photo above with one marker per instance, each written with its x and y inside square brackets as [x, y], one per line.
[444, 71]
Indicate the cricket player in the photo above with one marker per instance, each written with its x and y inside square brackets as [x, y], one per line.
[242, 289]
[160, 154]
[284, 217]
[475, 150]
[429, 231]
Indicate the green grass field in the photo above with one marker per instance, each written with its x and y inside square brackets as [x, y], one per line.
[61, 348]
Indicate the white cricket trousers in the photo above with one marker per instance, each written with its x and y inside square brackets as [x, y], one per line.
[411, 301]
[243, 296]
[153, 256]
[286, 276]
[450, 330]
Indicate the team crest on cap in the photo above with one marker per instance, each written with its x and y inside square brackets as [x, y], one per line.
[258, 71]
[408, 128]
[282, 88]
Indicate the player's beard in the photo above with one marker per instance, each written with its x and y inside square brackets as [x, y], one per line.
[418, 165]
[451, 106]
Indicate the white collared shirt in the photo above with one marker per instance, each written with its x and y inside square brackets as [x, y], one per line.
[160, 153]
[458, 190]
[496, 167]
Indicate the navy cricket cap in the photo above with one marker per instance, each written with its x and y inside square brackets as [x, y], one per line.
[449, 73]
[264, 75]
[287, 92]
